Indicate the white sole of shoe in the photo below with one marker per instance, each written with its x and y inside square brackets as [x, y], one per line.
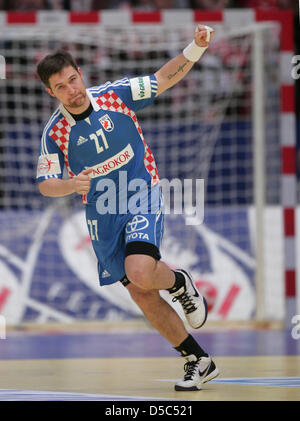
[188, 389]
[211, 376]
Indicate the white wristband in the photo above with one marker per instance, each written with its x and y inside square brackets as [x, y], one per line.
[193, 52]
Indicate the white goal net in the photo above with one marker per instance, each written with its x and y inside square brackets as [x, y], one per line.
[202, 128]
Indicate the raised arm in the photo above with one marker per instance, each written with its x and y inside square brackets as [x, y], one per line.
[174, 70]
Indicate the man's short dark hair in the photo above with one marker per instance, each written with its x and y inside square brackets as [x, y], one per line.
[54, 63]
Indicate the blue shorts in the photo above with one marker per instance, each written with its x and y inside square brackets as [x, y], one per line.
[114, 236]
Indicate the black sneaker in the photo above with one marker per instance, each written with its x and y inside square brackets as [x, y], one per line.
[193, 303]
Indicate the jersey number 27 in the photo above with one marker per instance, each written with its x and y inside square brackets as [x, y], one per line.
[95, 138]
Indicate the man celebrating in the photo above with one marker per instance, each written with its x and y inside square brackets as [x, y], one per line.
[95, 134]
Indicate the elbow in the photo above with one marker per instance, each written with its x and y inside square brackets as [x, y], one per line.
[42, 189]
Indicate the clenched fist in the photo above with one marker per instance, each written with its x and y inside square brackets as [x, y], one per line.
[82, 182]
[203, 35]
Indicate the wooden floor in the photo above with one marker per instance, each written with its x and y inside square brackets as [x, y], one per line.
[97, 376]
[149, 378]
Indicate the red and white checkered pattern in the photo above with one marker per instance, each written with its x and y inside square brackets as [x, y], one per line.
[111, 102]
[288, 155]
[60, 134]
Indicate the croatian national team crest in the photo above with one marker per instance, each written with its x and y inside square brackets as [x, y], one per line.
[106, 123]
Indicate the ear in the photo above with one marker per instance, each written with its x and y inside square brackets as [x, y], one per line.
[80, 72]
[49, 90]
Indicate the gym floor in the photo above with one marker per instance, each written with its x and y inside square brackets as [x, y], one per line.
[130, 361]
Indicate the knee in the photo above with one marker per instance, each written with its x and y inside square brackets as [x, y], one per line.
[142, 297]
[140, 271]
[140, 277]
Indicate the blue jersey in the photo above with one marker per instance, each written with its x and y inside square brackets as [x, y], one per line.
[108, 141]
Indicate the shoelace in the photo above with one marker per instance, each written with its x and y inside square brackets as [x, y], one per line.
[186, 302]
[190, 368]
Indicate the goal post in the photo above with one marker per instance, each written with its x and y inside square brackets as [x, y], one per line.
[225, 123]
[259, 141]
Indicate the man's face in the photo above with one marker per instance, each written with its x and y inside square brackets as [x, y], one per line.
[68, 87]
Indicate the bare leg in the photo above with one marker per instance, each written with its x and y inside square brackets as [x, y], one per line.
[160, 314]
[148, 273]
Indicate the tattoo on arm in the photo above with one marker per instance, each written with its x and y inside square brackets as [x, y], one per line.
[180, 69]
